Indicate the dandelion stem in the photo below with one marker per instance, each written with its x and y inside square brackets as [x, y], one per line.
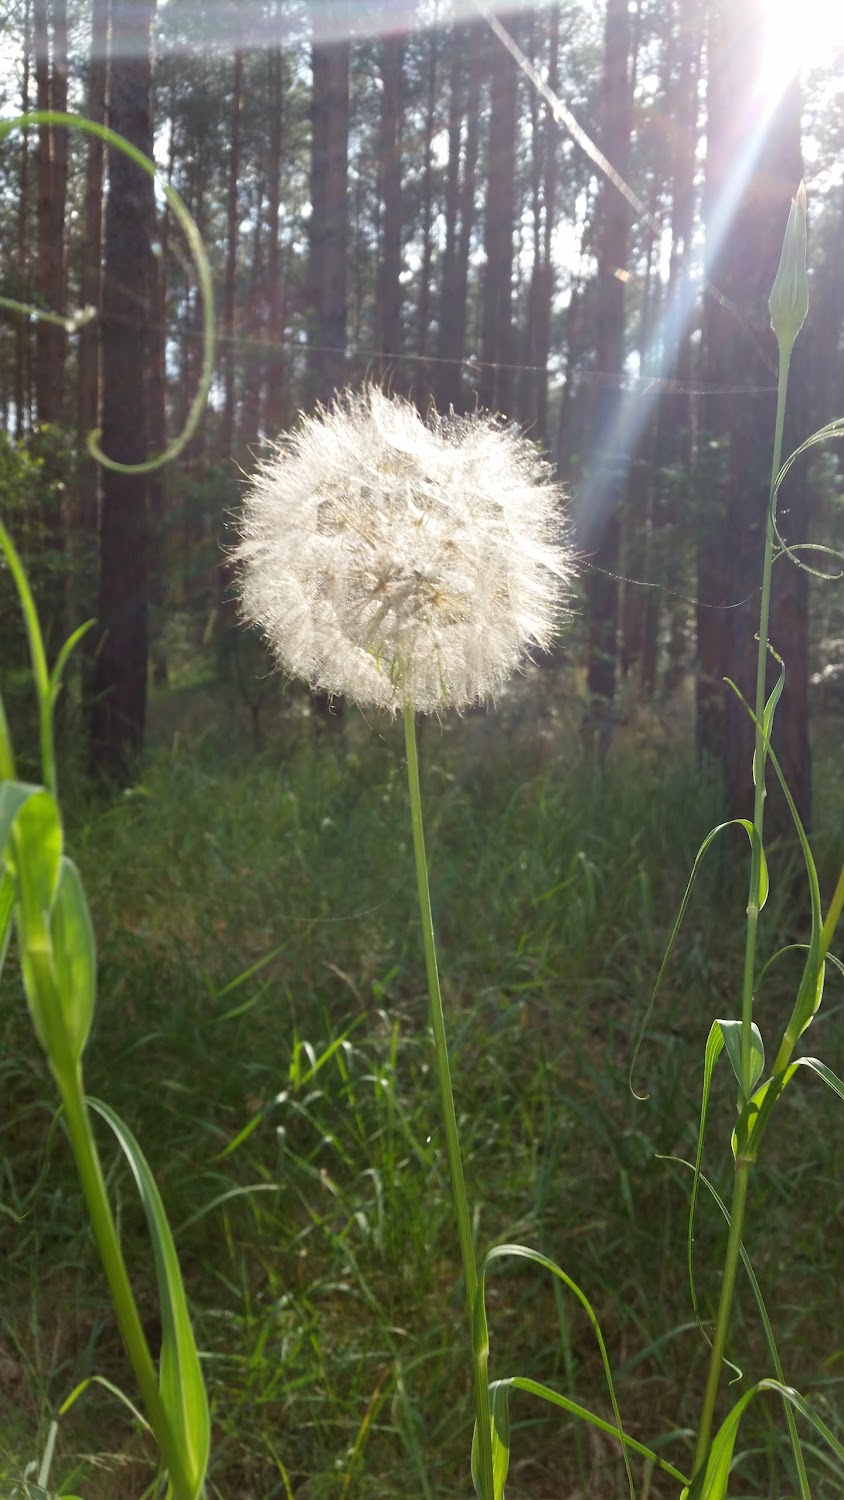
[452, 1143]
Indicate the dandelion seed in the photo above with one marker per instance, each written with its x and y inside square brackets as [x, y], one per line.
[399, 562]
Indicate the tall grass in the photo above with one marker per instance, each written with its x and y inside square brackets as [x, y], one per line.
[293, 1137]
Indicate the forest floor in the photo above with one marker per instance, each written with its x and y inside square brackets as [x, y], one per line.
[261, 1026]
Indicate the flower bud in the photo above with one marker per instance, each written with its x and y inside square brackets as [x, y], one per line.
[789, 299]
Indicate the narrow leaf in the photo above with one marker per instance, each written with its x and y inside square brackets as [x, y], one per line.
[180, 1375]
[74, 957]
[732, 1040]
[763, 896]
[583, 1414]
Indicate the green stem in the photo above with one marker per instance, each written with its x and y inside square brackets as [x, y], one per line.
[722, 1321]
[108, 1244]
[452, 1142]
[741, 1177]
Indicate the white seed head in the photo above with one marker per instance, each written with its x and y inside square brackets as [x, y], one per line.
[399, 562]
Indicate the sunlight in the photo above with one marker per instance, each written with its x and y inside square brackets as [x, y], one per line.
[800, 36]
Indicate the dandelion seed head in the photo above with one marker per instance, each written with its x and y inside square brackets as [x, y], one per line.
[402, 562]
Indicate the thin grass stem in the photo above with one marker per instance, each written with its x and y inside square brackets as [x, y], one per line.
[742, 1167]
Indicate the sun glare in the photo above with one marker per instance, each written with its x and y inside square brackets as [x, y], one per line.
[803, 35]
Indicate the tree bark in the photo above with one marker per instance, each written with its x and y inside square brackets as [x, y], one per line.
[498, 348]
[89, 383]
[604, 484]
[227, 435]
[23, 346]
[422, 382]
[121, 675]
[274, 368]
[388, 308]
[329, 214]
[51, 89]
[465, 89]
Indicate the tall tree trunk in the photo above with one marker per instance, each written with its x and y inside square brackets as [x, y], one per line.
[23, 345]
[745, 225]
[230, 281]
[51, 89]
[464, 102]
[89, 386]
[544, 289]
[121, 676]
[329, 213]
[388, 306]
[603, 487]
[422, 382]
[498, 351]
[274, 405]
[676, 422]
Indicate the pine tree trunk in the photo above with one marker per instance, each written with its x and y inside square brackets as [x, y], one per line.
[329, 213]
[603, 487]
[274, 369]
[121, 677]
[89, 387]
[388, 322]
[227, 359]
[422, 380]
[498, 348]
[51, 87]
[464, 103]
[23, 344]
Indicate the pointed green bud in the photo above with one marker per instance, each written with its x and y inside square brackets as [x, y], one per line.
[789, 299]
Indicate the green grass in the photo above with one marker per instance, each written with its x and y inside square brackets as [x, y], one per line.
[293, 1118]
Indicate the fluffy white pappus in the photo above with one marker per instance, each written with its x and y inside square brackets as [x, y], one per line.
[399, 562]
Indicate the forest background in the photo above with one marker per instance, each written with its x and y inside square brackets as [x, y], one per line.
[385, 194]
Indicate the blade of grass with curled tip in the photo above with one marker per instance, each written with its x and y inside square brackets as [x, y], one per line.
[763, 896]
[583, 1414]
[524, 1252]
[203, 271]
[180, 1375]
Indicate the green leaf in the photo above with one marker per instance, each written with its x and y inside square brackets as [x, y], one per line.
[13, 794]
[7, 903]
[583, 1414]
[732, 1040]
[716, 1476]
[36, 837]
[7, 754]
[180, 1375]
[524, 1252]
[37, 654]
[500, 1413]
[770, 707]
[74, 957]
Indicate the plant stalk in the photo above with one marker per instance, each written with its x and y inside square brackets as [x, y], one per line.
[452, 1142]
[108, 1244]
[742, 1167]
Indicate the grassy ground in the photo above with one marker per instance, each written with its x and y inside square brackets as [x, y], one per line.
[262, 1028]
